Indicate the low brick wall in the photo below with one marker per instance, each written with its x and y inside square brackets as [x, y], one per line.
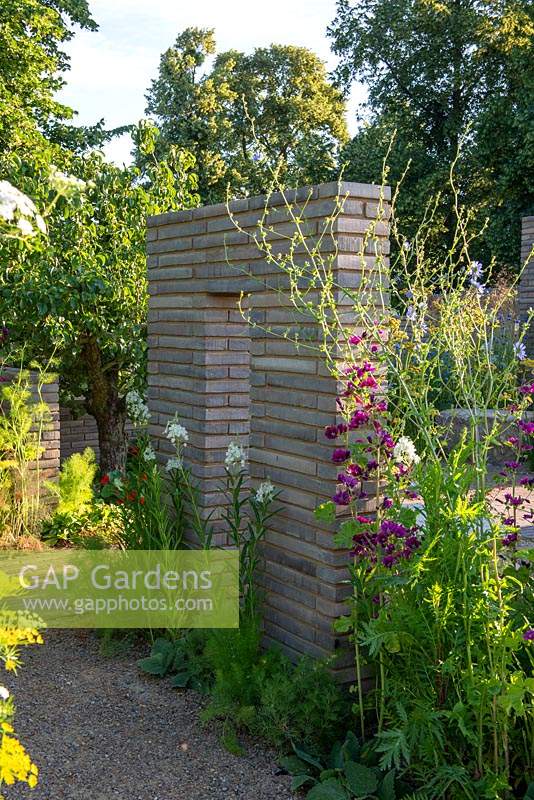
[77, 433]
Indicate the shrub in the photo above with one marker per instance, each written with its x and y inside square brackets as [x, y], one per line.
[75, 485]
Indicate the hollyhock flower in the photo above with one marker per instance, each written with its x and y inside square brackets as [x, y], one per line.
[528, 635]
[526, 480]
[342, 497]
[513, 441]
[358, 419]
[340, 455]
[510, 539]
[364, 520]
[389, 561]
[331, 432]
[526, 427]
[347, 480]
[528, 388]
[512, 465]
[387, 502]
[355, 470]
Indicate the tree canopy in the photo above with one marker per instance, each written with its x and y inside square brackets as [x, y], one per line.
[445, 74]
[248, 114]
[32, 67]
[79, 297]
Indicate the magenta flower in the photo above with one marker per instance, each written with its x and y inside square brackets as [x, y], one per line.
[526, 427]
[340, 455]
[528, 388]
[509, 540]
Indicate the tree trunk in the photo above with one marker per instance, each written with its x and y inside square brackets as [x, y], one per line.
[108, 409]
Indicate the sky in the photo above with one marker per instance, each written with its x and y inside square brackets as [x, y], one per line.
[112, 68]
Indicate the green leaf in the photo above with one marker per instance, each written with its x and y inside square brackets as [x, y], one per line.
[308, 758]
[386, 790]
[346, 533]
[181, 680]
[343, 624]
[530, 792]
[331, 789]
[300, 780]
[326, 512]
[362, 781]
[351, 747]
[295, 766]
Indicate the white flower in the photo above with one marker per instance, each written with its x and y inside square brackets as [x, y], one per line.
[173, 463]
[4, 693]
[265, 492]
[149, 453]
[176, 433]
[235, 460]
[137, 408]
[64, 184]
[405, 452]
[16, 206]
[41, 224]
[25, 226]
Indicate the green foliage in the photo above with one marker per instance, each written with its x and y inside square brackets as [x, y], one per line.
[22, 422]
[32, 34]
[274, 108]
[75, 484]
[95, 526]
[260, 692]
[349, 771]
[87, 285]
[437, 71]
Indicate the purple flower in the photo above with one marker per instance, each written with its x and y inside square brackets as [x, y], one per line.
[392, 528]
[356, 339]
[509, 540]
[528, 635]
[520, 351]
[331, 432]
[389, 561]
[513, 465]
[526, 427]
[358, 418]
[528, 388]
[340, 455]
[514, 500]
[387, 502]
[342, 497]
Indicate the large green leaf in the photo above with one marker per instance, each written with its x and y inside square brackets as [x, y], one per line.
[362, 781]
[331, 789]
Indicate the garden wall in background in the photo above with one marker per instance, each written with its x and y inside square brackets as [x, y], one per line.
[229, 381]
[526, 286]
[79, 432]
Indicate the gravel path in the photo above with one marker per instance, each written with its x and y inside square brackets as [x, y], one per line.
[98, 730]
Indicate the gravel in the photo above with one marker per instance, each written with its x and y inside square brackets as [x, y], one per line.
[100, 730]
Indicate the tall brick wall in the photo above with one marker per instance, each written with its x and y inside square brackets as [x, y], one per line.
[229, 381]
[526, 286]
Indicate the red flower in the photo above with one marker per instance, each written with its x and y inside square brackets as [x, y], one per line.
[132, 495]
[142, 500]
[144, 476]
[104, 480]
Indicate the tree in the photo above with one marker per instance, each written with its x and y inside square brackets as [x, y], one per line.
[32, 63]
[80, 299]
[274, 108]
[445, 74]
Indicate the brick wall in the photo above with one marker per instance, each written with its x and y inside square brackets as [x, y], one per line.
[77, 433]
[229, 381]
[526, 285]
